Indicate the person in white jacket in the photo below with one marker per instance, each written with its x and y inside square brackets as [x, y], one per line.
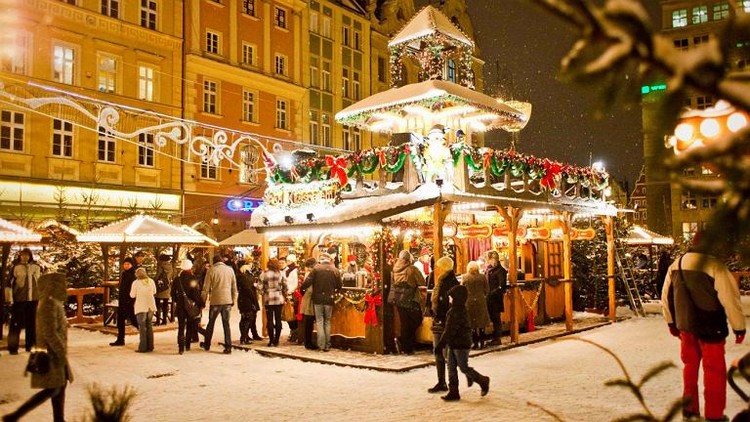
[698, 297]
[143, 291]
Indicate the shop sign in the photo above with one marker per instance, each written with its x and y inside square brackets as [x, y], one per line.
[582, 234]
[504, 231]
[537, 233]
[325, 193]
[449, 230]
[243, 204]
[474, 231]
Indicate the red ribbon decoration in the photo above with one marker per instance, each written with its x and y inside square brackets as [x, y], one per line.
[371, 314]
[552, 168]
[338, 168]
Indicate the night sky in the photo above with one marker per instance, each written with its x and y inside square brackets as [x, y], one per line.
[528, 43]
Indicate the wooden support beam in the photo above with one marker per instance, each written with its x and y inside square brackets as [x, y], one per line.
[609, 229]
[439, 212]
[512, 216]
[567, 218]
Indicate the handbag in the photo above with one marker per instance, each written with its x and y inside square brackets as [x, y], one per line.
[192, 309]
[38, 362]
[287, 312]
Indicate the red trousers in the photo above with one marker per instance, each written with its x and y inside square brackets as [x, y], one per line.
[692, 352]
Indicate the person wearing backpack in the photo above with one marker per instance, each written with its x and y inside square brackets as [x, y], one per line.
[164, 271]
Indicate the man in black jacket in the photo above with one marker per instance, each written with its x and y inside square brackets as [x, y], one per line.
[497, 277]
[125, 304]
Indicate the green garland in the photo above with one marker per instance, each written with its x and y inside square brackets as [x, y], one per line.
[395, 167]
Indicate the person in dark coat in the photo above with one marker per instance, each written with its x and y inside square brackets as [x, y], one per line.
[325, 280]
[247, 303]
[24, 276]
[185, 285]
[665, 260]
[439, 304]
[478, 288]
[52, 335]
[125, 304]
[308, 310]
[457, 338]
[406, 280]
[164, 277]
[497, 279]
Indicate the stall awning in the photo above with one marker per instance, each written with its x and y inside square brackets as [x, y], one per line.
[13, 233]
[641, 236]
[144, 229]
[370, 209]
[244, 238]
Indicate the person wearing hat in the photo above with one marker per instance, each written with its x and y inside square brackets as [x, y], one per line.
[444, 279]
[125, 310]
[406, 282]
[325, 280]
[143, 291]
[185, 285]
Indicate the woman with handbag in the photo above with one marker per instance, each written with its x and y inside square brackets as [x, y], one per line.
[186, 296]
[52, 335]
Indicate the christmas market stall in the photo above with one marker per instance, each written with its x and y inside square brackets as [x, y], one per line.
[10, 234]
[435, 191]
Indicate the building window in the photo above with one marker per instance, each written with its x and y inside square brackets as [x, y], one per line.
[357, 40]
[314, 135]
[247, 159]
[326, 135]
[325, 76]
[148, 14]
[111, 8]
[212, 42]
[314, 73]
[689, 229]
[721, 10]
[450, 70]
[679, 18]
[11, 130]
[248, 7]
[314, 22]
[280, 17]
[700, 39]
[146, 149]
[345, 35]
[63, 64]
[703, 102]
[62, 138]
[208, 166]
[347, 138]
[248, 106]
[357, 138]
[280, 68]
[16, 59]
[381, 69]
[146, 83]
[325, 29]
[688, 200]
[356, 86]
[281, 109]
[709, 202]
[700, 14]
[345, 82]
[210, 93]
[681, 43]
[107, 74]
[248, 54]
[107, 146]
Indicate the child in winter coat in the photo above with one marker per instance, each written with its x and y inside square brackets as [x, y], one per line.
[457, 336]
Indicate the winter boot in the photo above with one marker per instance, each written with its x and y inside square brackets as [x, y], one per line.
[484, 384]
[439, 387]
[481, 338]
[452, 394]
[469, 381]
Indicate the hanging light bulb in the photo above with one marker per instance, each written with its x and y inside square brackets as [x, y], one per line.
[215, 220]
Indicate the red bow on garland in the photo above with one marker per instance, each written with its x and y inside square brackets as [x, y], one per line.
[552, 168]
[371, 315]
[338, 168]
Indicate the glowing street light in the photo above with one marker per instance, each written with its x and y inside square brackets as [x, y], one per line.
[697, 127]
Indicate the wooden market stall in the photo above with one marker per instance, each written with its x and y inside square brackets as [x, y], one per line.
[435, 189]
[10, 234]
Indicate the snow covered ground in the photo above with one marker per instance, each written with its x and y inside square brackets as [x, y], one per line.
[566, 377]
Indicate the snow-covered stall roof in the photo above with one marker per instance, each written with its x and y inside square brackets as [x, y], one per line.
[429, 21]
[348, 211]
[144, 229]
[12, 233]
[243, 238]
[440, 96]
[642, 236]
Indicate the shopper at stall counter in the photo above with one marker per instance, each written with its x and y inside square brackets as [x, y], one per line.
[325, 280]
[407, 280]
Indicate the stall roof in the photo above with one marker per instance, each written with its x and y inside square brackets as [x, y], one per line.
[427, 22]
[145, 229]
[243, 238]
[351, 211]
[642, 236]
[13, 233]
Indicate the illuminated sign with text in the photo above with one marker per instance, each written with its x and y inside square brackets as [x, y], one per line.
[243, 204]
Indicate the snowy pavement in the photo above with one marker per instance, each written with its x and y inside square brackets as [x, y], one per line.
[565, 377]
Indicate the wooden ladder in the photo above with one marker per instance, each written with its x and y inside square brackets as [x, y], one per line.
[627, 275]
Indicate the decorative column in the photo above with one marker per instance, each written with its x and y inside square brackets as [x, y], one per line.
[512, 216]
[609, 229]
[567, 269]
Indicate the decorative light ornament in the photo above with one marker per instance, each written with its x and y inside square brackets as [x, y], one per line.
[710, 128]
[684, 132]
[736, 122]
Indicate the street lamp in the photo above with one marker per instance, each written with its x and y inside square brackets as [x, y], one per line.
[697, 128]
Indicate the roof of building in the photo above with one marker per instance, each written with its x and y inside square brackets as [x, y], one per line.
[13, 233]
[145, 229]
[642, 236]
[427, 22]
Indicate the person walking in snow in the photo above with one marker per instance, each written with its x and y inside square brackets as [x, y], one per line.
[457, 338]
[143, 291]
[699, 295]
[444, 279]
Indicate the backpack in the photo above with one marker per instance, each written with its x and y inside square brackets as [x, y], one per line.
[162, 282]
